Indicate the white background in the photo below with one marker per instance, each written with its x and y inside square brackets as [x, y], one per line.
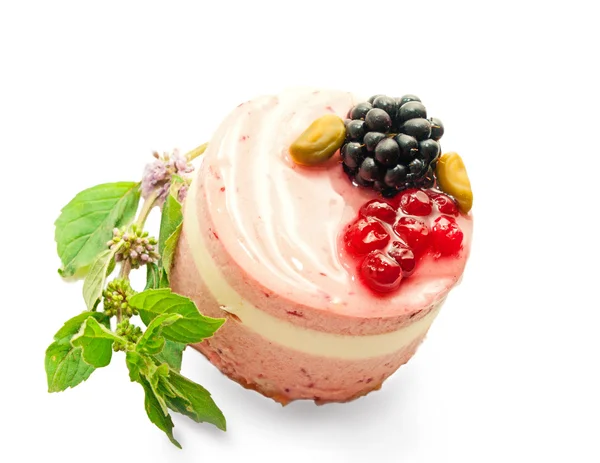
[509, 372]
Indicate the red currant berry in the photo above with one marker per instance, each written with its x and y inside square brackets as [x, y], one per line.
[445, 204]
[402, 254]
[380, 273]
[446, 236]
[365, 235]
[414, 232]
[415, 202]
[379, 209]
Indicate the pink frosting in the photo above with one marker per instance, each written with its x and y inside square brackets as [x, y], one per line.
[274, 226]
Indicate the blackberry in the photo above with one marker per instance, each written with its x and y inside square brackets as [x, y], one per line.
[372, 139]
[355, 129]
[378, 120]
[391, 144]
[360, 111]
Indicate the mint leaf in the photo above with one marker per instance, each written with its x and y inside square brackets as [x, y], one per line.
[170, 228]
[169, 248]
[155, 413]
[156, 277]
[194, 401]
[171, 354]
[96, 341]
[64, 364]
[192, 327]
[152, 341]
[85, 224]
[96, 278]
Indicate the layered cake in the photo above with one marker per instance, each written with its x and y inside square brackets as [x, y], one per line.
[328, 231]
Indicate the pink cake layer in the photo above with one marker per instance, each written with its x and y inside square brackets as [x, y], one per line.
[276, 371]
[271, 229]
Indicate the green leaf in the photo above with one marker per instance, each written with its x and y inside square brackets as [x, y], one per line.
[168, 252]
[152, 341]
[136, 364]
[171, 354]
[71, 327]
[192, 327]
[155, 412]
[86, 223]
[96, 278]
[170, 228]
[156, 277]
[194, 401]
[96, 341]
[64, 365]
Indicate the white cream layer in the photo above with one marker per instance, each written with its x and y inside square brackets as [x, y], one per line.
[282, 332]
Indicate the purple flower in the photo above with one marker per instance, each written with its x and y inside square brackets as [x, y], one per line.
[158, 175]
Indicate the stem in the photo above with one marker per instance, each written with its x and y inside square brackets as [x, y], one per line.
[146, 208]
[199, 151]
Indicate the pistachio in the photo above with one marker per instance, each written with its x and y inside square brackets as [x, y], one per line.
[319, 141]
[453, 179]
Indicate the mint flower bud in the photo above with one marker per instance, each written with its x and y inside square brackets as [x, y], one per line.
[116, 298]
[130, 332]
[135, 246]
[158, 175]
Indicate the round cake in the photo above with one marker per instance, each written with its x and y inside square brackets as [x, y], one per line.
[328, 283]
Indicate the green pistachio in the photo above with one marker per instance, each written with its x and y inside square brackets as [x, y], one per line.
[319, 141]
[453, 179]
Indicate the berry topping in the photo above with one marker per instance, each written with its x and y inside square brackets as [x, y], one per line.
[387, 152]
[415, 202]
[360, 111]
[446, 236]
[369, 170]
[355, 130]
[365, 235]
[437, 128]
[408, 147]
[406, 98]
[378, 120]
[399, 145]
[445, 204]
[372, 99]
[372, 139]
[402, 254]
[380, 210]
[429, 149]
[414, 232]
[411, 110]
[388, 104]
[419, 128]
[380, 272]
[352, 155]
[396, 176]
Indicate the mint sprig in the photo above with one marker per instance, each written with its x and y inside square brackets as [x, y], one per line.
[97, 231]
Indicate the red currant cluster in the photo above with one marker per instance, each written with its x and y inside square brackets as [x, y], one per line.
[389, 237]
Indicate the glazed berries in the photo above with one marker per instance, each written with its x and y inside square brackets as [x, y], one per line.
[389, 237]
[446, 236]
[415, 202]
[380, 210]
[402, 254]
[380, 272]
[445, 204]
[365, 235]
[414, 232]
[399, 145]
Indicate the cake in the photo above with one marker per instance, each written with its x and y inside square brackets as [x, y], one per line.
[273, 244]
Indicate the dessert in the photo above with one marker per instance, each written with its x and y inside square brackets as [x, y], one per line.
[329, 264]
